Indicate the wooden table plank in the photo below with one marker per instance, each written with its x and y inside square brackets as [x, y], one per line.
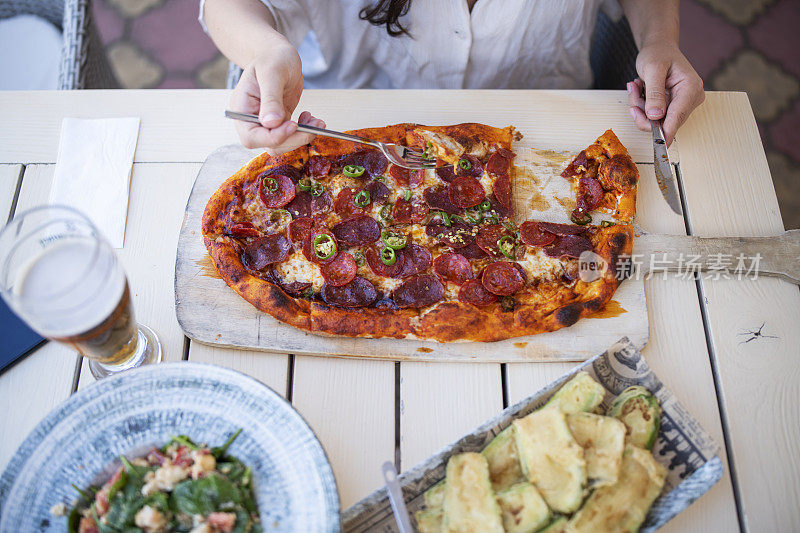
[43, 379]
[181, 126]
[440, 402]
[676, 352]
[155, 210]
[729, 192]
[271, 369]
[350, 404]
[9, 179]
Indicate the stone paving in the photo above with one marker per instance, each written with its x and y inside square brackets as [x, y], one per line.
[739, 45]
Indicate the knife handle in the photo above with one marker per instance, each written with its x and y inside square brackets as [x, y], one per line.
[777, 256]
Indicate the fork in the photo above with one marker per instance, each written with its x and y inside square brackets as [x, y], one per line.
[401, 156]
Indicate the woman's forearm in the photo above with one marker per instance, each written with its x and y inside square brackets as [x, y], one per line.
[652, 20]
[242, 29]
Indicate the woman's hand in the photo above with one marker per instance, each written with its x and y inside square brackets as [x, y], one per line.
[671, 86]
[270, 87]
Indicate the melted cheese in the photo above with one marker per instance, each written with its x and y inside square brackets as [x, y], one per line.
[298, 268]
[539, 266]
[487, 182]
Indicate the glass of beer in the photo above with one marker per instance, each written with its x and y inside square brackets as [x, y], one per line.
[61, 276]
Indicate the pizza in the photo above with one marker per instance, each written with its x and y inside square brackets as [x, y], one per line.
[332, 239]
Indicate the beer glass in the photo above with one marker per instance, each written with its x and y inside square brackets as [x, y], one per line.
[62, 277]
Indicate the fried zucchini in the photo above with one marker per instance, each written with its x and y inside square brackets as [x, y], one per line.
[558, 525]
[524, 510]
[580, 394]
[551, 459]
[434, 496]
[603, 440]
[501, 455]
[469, 501]
[429, 520]
[640, 411]
[622, 507]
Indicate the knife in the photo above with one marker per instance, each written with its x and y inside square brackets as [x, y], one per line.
[663, 168]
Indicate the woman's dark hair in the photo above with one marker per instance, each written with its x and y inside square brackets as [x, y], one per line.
[387, 12]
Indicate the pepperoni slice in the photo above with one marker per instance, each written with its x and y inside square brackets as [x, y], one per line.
[378, 191]
[453, 267]
[472, 251]
[387, 271]
[588, 195]
[487, 238]
[445, 171]
[562, 229]
[308, 246]
[531, 233]
[568, 246]
[455, 236]
[502, 190]
[243, 229]
[405, 212]
[438, 197]
[305, 205]
[499, 209]
[406, 177]
[419, 291]
[357, 230]
[276, 193]
[472, 292]
[502, 278]
[340, 271]
[344, 204]
[317, 166]
[416, 259]
[299, 229]
[499, 162]
[358, 293]
[375, 163]
[466, 191]
[295, 174]
[475, 166]
[265, 251]
[580, 161]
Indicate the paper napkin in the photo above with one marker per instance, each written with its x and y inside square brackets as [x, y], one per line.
[93, 171]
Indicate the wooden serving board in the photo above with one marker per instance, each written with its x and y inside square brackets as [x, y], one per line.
[212, 313]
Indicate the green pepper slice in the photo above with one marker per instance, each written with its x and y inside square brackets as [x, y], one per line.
[359, 257]
[445, 218]
[271, 184]
[353, 171]
[362, 199]
[465, 164]
[581, 221]
[393, 240]
[506, 245]
[324, 246]
[473, 215]
[388, 256]
[386, 212]
[316, 189]
[485, 205]
[607, 224]
[305, 184]
[407, 194]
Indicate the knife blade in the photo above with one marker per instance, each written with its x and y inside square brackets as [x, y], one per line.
[663, 168]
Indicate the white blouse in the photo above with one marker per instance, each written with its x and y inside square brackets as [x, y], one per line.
[501, 44]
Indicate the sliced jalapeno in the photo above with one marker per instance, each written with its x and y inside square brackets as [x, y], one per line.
[407, 194]
[353, 171]
[388, 256]
[305, 184]
[362, 199]
[466, 164]
[386, 212]
[607, 224]
[445, 218]
[393, 240]
[324, 246]
[359, 257]
[485, 205]
[317, 189]
[582, 221]
[278, 214]
[473, 215]
[507, 246]
[271, 184]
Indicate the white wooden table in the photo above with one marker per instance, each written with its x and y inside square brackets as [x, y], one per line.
[744, 389]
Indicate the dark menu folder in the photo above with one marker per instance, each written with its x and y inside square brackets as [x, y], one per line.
[16, 338]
